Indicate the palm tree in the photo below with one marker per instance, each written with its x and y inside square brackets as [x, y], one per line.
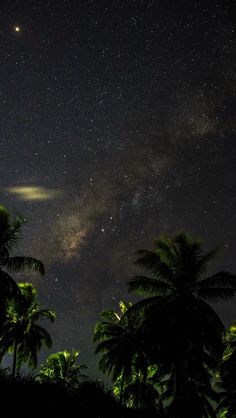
[21, 333]
[62, 368]
[120, 346]
[139, 390]
[181, 330]
[10, 230]
[227, 405]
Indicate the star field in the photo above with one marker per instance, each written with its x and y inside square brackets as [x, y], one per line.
[116, 124]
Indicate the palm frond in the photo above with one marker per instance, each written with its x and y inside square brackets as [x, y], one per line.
[14, 233]
[152, 263]
[186, 241]
[108, 345]
[23, 264]
[141, 308]
[167, 251]
[147, 286]
[110, 315]
[188, 250]
[202, 261]
[208, 408]
[8, 286]
[217, 288]
[215, 294]
[44, 313]
[9, 234]
[42, 335]
[106, 330]
[222, 279]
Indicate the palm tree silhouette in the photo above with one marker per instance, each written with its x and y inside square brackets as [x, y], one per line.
[183, 334]
[62, 368]
[21, 333]
[120, 346]
[140, 390]
[10, 231]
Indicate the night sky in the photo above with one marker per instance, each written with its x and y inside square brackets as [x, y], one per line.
[116, 125]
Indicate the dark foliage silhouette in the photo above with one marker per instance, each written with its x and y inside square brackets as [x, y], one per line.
[227, 370]
[182, 332]
[165, 353]
[120, 346]
[63, 368]
[10, 231]
[22, 335]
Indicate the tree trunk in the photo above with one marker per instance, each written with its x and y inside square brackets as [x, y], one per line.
[14, 359]
[122, 387]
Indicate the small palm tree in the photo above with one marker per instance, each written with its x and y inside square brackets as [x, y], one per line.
[10, 231]
[21, 333]
[120, 345]
[139, 390]
[62, 368]
[227, 405]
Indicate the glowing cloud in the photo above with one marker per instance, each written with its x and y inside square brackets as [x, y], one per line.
[34, 192]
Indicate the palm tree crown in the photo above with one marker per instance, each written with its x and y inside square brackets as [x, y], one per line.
[10, 231]
[119, 343]
[182, 332]
[21, 333]
[63, 368]
[175, 292]
[177, 266]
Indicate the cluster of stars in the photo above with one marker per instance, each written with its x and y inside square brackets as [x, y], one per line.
[116, 125]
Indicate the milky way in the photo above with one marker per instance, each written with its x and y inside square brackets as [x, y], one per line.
[117, 124]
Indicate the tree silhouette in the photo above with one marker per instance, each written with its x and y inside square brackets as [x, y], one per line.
[62, 368]
[21, 333]
[120, 346]
[183, 334]
[10, 231]
[139, 390]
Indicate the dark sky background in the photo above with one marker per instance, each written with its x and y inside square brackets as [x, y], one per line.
[116, 124]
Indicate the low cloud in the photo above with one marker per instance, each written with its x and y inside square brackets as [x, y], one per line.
[33, 192]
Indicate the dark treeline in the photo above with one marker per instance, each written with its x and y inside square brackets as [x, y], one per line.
[168, 354]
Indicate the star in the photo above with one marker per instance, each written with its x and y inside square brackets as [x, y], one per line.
[111, 137]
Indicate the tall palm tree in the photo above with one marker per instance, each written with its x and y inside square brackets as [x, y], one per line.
[62, 368]
[180, 326]
[10, 231]
[21, 333]
[119, 343]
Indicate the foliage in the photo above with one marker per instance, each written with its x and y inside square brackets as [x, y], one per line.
[227, 406]
[10, 232]
[139, 391]
[163, 352]
[119, 343]
[176, 296]
[22, 336]
[180, 330]
[62, 368]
